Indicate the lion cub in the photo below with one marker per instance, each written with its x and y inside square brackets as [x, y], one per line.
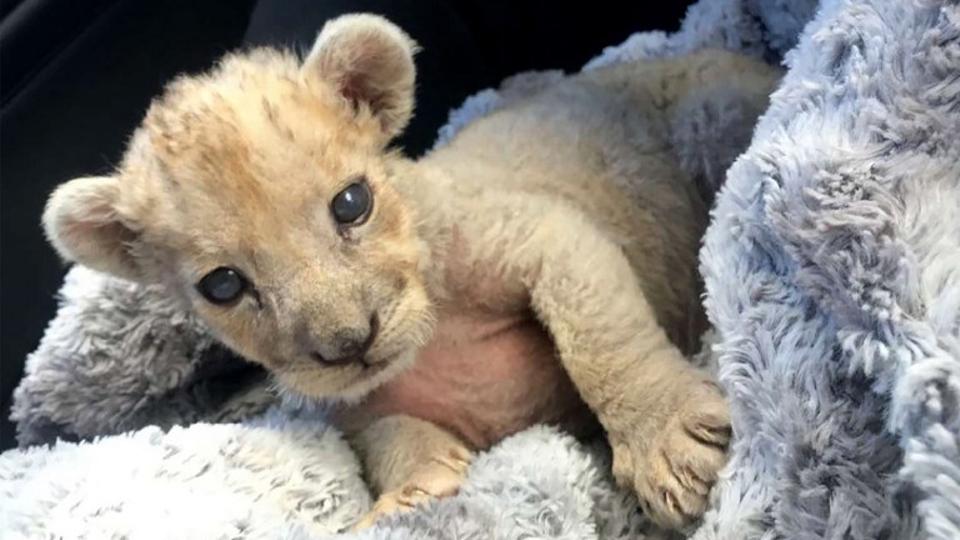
[539, 267]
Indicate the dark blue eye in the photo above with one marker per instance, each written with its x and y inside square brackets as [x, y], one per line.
[352, 205]
[222, 285]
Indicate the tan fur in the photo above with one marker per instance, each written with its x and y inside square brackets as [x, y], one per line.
[556, 232]
[409, 461]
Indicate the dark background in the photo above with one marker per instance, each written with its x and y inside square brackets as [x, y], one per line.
[76, 77]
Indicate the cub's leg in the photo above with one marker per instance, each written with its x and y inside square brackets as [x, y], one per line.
[667, 422]
[408, 462]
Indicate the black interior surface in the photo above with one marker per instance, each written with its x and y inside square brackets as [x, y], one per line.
[76, 78]
[75, 82]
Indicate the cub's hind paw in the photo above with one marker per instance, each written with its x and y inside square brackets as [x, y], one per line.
[441, 477]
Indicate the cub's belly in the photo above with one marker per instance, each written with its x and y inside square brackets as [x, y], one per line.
[483, 378]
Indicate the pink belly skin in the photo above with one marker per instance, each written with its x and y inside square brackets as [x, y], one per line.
[483, 378]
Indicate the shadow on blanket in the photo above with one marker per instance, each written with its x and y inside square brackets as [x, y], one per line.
[832, 285]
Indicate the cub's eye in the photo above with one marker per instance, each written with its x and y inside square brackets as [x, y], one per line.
[222, 285]
[352, 205]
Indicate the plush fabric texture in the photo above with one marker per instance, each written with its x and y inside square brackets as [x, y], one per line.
[832, 280]
[272, 478]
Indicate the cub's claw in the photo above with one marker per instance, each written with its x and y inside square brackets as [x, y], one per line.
[673, 470]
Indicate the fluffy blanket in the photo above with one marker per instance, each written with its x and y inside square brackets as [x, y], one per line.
[833, 281]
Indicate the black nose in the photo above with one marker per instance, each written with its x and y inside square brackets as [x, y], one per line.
[351, 345]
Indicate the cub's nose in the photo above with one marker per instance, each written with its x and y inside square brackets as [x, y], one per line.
[348, 345]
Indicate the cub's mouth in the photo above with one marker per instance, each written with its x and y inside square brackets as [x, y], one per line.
[347, 381]
[368, 360]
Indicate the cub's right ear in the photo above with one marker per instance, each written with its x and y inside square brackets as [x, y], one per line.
[82, 222]
[369, 60]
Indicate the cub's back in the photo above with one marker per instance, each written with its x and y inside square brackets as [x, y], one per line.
[608, 142]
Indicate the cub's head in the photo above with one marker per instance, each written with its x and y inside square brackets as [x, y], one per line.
[263, 194]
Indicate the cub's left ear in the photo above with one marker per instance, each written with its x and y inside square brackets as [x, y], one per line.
[84, 225]
[370, 62]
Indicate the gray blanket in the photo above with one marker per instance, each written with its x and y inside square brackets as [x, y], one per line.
[833, 277]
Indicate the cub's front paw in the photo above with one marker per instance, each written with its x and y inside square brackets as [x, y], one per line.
[441, 477]
[673, 465]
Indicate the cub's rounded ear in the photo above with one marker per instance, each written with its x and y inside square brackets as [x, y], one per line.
[369, 60]
[82, 223]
